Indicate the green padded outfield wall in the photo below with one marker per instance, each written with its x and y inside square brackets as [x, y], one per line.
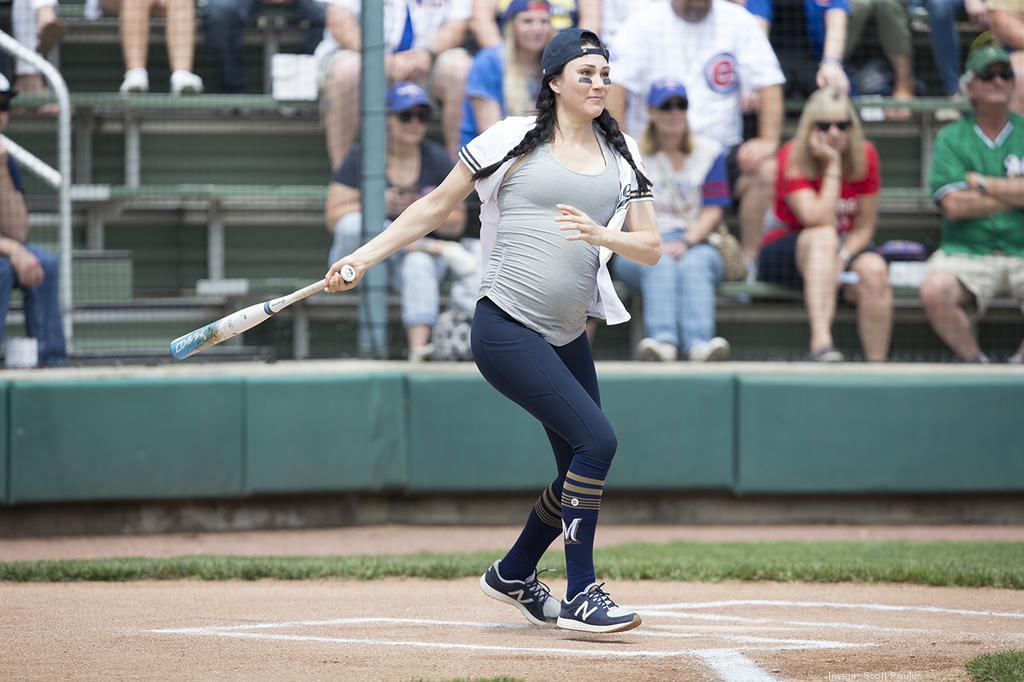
[125, 439]
[674, 433]
[880, 434]
[340, 432]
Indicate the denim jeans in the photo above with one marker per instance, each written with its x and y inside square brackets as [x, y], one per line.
[224, 20]
[679, 296]
[942, 15]
[42, 306]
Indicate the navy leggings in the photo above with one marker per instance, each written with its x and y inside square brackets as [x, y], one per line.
[556, 384]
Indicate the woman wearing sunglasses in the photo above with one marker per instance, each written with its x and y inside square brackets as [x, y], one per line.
[818, 238]
[691, 192]
[415, 166]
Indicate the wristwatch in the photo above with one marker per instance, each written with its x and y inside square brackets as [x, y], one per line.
[979, 184]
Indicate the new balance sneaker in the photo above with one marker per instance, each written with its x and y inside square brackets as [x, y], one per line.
[592, 610]
[530, 596]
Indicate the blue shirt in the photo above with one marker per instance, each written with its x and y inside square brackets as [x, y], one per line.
[814, 14]
[485, 81]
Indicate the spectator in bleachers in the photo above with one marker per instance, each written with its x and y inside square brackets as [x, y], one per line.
[892, 26]
[691, 190]
[415, 166]
[26, 266]
[35, 25]
[505, 78]
[809, 37]
[977, 176]
[762, 12]
[717, 49]
[1007, 17]
[615, 12]
[945, 39]
[224, 20]
[181, 42]
[422, 43]
[489, 17]
[819, 236]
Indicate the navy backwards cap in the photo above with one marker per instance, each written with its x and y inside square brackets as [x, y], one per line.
[406, 95]
[565, 47]
[665, 89]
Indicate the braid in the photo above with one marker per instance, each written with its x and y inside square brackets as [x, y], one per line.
[542, 132]
[614, 137]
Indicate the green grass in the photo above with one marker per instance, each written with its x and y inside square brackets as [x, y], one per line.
[968, 564]
[1006, 666]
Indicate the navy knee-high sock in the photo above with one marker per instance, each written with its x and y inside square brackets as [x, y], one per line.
[542, 527]
[581, 502]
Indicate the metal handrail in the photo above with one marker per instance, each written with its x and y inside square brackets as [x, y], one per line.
[62, 174]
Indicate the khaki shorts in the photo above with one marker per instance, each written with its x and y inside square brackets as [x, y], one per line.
[1006, 5]
[984, 276]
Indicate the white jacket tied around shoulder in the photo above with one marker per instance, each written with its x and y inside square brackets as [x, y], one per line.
[492, 146]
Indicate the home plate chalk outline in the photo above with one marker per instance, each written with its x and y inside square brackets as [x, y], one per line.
[728, 662]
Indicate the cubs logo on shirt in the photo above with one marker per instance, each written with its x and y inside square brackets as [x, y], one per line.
[721, 74]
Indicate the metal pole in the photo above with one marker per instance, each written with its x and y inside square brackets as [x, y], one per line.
[373, 135]
[60, 91]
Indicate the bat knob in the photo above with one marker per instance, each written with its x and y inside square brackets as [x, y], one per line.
[348, 273]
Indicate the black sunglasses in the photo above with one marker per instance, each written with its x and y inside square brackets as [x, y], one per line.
[677, 103]
[824, 126]
[5, 104]
[988, 75]
[421, 115]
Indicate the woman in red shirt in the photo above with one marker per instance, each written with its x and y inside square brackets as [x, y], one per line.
[818, 238]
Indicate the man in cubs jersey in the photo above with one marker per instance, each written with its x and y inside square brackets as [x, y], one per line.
[719, 52]
[977, 176]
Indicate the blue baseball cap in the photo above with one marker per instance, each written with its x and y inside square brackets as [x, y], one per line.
[565, 47]
[406, 95]
[665, 89]
[518, 6]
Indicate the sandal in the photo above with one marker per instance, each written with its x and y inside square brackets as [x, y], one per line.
[826, 354]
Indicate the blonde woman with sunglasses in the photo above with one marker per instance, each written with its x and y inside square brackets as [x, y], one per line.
[818, 238]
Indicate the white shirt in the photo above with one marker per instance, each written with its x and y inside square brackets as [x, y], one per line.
[492, 145]
[427, 17]
[717, 59]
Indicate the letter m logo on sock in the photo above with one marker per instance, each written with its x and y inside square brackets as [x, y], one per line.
[583, 613]
[569, 532]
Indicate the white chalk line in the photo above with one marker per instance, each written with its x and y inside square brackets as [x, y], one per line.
[768, 621]
[732, 666]
[830, 605]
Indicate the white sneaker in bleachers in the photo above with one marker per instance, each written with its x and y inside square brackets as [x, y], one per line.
[135, 80]
[656, 351]
[715, 350]
[186, 83]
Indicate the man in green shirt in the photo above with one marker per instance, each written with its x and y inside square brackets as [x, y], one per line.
[977, 177]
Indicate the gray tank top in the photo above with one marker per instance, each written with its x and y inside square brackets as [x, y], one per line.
[533, 273]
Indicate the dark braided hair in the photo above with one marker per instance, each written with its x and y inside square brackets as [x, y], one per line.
[544, 131]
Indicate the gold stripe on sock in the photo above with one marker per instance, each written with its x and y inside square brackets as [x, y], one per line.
[584, 479]
[581, 490]
[552, 501]
[546, 517]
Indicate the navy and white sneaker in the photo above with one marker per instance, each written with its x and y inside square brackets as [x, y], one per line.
[530, 596]
[592, 610]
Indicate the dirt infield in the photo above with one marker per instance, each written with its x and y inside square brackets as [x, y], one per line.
[414, 629]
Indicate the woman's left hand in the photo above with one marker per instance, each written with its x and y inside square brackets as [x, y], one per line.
[586, 229]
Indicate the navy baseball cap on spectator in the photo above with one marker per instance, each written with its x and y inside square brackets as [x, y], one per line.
[664, 90]
[406, 95]
[518, 6]
[565, 47]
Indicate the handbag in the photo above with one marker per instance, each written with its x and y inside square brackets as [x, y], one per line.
[720, 238]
